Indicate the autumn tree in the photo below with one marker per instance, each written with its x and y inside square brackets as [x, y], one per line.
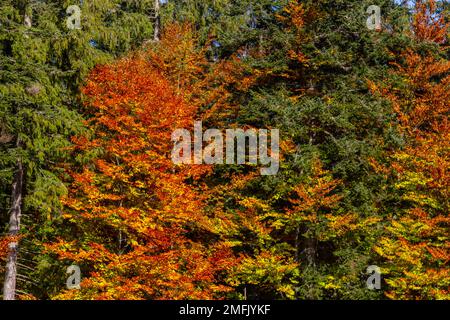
[137, 226]
[417, 245]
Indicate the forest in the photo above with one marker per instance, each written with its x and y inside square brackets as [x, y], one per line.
[120, 178]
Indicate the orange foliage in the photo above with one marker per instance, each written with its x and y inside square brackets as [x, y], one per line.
[314, 204]
[4, 245]
[140, 225]
[294, 17]
[427, 25]
[4, 242]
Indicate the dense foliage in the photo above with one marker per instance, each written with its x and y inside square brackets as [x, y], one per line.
[87, 116]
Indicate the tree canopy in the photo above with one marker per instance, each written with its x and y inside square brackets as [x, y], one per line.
[87, 113]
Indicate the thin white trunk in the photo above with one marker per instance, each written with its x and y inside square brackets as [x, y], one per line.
[157, 25]
[9, 288]
[27, 21]
[9, 285]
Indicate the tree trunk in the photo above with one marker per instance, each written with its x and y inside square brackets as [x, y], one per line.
[9, 285]
[157, 25]
[9, 288]
[27, 21]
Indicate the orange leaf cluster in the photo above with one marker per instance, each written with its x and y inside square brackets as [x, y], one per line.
[140, 225]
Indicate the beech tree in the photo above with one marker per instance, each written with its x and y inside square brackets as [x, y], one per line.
[416, 246]
[137, 223]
